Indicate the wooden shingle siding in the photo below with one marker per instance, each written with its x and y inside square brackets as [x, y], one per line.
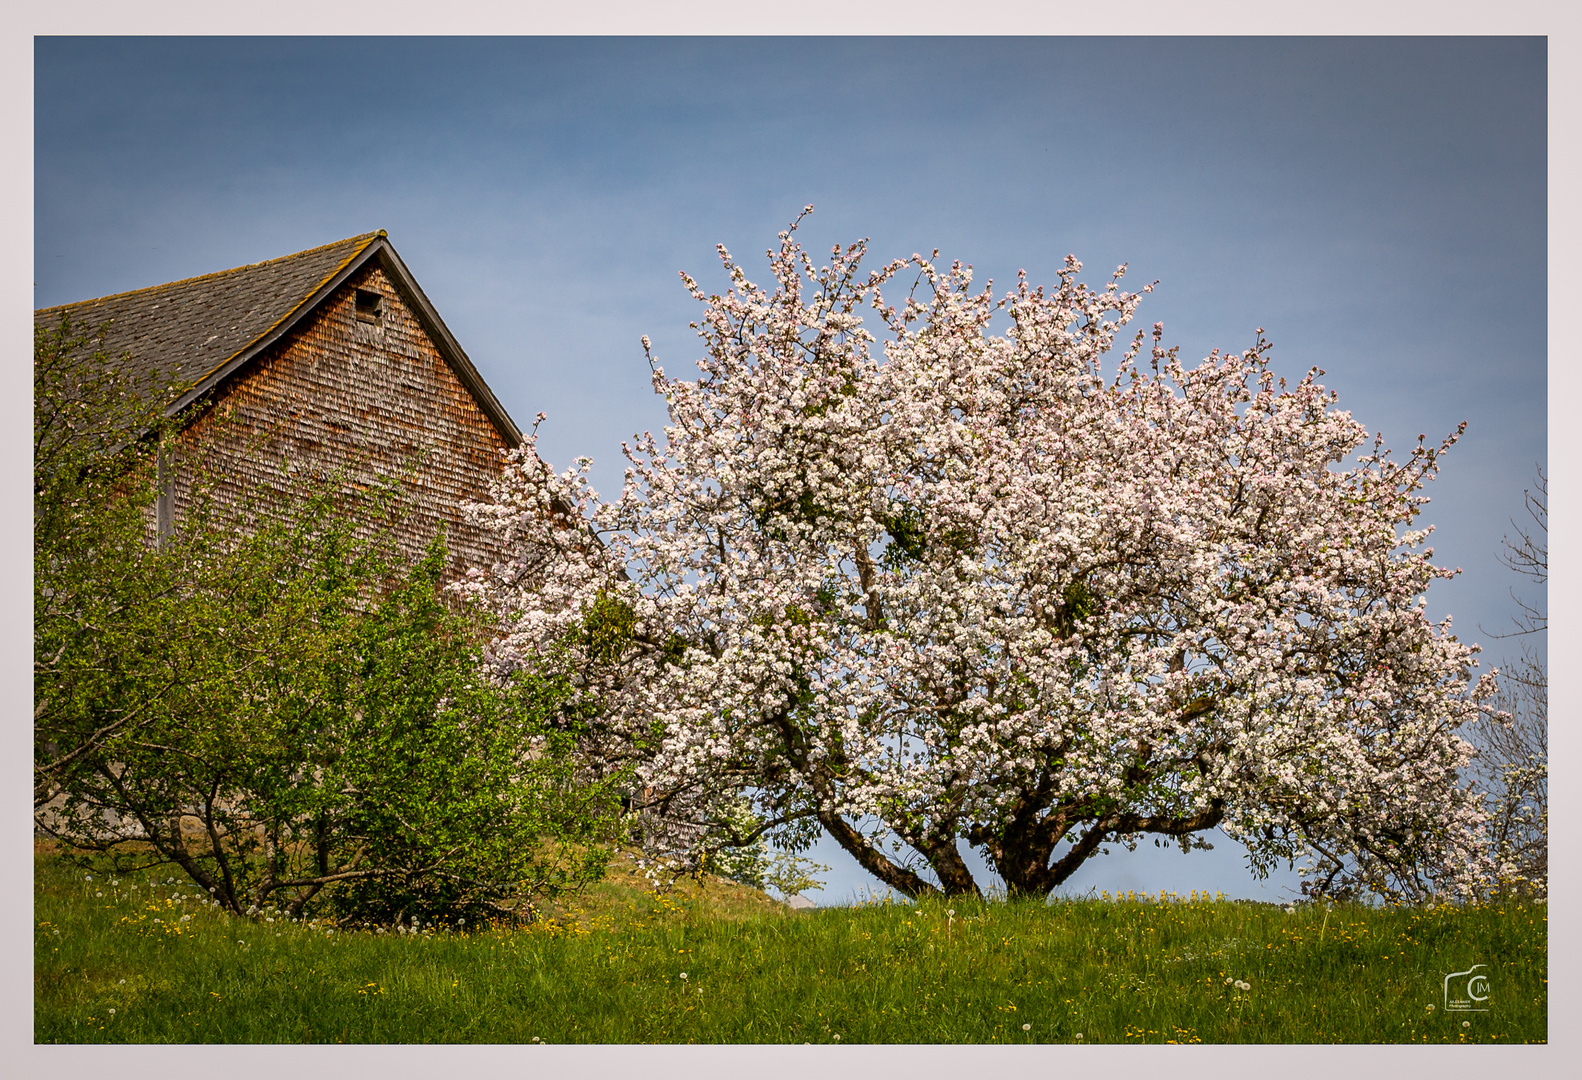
[375, 400]
[288, 367]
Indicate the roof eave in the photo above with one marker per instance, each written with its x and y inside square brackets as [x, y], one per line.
[378, 247]
[448, 345]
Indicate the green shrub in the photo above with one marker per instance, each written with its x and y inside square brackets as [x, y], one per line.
[269, 698]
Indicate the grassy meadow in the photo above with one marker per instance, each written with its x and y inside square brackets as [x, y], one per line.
[143, 959]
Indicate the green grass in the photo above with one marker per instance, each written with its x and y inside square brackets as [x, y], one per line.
[610, 971]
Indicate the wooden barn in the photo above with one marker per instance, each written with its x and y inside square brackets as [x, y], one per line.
[330, 359]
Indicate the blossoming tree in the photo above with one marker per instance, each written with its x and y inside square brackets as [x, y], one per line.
[939, 585]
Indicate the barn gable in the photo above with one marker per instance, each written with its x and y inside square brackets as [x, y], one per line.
[331, 359]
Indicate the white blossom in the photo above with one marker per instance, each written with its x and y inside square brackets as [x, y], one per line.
[967, 584]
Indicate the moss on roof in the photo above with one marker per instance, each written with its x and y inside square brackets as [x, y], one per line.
[187, 330]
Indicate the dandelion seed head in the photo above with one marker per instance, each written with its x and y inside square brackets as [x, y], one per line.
[1027, 1027]
[1464, 1023]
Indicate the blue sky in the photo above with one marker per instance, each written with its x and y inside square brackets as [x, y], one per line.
[1376, 205]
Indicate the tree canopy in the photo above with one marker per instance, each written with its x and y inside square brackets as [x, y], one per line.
[926, 583]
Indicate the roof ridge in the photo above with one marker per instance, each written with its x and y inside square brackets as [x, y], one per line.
[356, 253]
[367, 236]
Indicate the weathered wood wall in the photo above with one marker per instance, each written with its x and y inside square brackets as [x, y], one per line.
[373, 399]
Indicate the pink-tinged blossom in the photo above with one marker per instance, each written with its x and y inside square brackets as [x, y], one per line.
[914, 580]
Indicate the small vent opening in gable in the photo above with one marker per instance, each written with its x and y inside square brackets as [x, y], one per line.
[368, 305]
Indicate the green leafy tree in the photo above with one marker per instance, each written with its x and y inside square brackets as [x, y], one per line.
[742, 852]
[269, 698]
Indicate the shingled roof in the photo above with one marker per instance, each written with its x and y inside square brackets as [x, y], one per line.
[202, 329]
